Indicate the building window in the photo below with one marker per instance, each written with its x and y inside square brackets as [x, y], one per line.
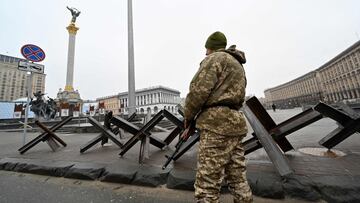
[156, 109]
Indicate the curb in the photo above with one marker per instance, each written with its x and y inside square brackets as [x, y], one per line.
[264, 183]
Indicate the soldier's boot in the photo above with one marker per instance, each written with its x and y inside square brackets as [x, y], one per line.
[207, 201]
[243, 201]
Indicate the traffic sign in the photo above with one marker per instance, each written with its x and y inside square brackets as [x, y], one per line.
[32, 53]
[32, 67]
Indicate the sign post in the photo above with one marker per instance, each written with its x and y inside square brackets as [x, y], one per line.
[32, 53]
[29, 88]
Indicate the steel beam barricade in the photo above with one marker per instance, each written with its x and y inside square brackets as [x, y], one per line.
[348, 121]
[276, 156]
[272, 136]
[106, 133]
[278, 131]
[141, 133]
[47, 136]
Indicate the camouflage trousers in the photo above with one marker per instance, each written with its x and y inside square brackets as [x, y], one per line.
[221, 157]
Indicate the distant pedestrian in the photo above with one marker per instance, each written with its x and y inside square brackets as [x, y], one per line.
[273, 107]
[216, 94]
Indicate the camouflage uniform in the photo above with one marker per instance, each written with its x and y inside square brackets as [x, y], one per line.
[216, 94]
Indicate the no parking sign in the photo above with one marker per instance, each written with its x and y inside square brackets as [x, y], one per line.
[32, 53]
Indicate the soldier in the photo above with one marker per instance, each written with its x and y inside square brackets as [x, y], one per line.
[215, 96]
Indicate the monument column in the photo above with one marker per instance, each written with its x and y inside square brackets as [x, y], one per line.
[72, 29]
[70, 97]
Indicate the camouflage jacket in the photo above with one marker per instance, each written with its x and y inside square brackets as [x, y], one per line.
[217, 92]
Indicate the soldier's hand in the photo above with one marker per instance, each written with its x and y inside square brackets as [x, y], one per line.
[186, 124]
[185, 134]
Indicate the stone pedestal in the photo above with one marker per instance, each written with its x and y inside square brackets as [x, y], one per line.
[70, 99]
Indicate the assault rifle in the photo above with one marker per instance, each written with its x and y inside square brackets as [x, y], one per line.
[183, 138]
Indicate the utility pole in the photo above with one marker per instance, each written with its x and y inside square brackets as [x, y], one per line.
[131, 73]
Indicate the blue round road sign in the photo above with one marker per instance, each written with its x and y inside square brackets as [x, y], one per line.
[33, 53]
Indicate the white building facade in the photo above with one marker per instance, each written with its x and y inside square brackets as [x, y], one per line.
[335, 81]
[151, 99]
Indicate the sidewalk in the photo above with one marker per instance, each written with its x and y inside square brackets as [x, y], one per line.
[315, 177]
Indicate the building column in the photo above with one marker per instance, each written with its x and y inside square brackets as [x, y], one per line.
[357, 93]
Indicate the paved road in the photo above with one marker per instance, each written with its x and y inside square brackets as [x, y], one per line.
[15, 187]
[306, 137]
[19, 187]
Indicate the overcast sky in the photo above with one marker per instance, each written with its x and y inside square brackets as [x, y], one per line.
[282, 39]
